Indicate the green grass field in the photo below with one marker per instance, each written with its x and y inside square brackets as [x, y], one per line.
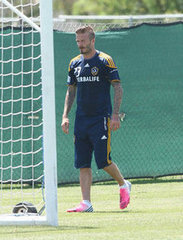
[155, 213]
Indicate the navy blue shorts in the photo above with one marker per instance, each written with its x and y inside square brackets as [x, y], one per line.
[92, 135]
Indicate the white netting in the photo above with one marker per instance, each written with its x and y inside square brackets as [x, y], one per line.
[29, 8]
[21, 164]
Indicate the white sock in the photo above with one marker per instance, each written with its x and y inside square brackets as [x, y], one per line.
[88, 203]
[124, 185]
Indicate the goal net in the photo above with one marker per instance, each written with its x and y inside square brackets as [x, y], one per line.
[25, 115]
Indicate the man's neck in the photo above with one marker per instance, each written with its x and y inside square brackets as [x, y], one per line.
[90, 55]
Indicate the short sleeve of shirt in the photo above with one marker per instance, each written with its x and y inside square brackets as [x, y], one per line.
[111, 68]
[113, 74]
[71, 79]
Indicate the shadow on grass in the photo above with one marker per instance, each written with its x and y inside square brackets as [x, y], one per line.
[148, 180]
[39, 229]
[111, 212]
[168, 179]
[158, 180]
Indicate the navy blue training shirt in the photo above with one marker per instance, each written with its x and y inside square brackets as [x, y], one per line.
[93, 78]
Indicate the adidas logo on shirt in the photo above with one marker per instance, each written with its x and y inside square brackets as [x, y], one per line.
[103, 137]
[87, 65]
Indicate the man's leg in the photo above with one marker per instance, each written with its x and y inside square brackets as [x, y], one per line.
[85, 183]
[125, 186]
[114, 172]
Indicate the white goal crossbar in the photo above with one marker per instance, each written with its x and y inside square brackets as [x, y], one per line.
[24, 220]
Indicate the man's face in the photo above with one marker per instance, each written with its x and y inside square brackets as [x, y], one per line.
[85, 45]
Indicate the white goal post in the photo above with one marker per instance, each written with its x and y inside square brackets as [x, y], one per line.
[27, 118]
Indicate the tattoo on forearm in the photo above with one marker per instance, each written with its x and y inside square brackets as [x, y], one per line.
[69, 99]
[117, 97]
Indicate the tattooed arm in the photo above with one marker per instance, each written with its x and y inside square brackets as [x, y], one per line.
[69, 99]
[118, 93]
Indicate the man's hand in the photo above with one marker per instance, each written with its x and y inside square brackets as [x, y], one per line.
[115, 122]
[65, 125]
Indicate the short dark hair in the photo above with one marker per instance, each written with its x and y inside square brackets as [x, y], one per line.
[86, 29]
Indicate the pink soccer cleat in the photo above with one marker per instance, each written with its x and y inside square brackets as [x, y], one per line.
[125, 196]
[81, 208]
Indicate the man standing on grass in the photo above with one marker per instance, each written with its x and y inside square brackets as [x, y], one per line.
[91, 73]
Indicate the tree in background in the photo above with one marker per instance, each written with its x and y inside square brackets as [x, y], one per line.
[63, 7]
[116, 7]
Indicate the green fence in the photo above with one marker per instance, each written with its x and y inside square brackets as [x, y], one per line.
[149, 142]
[150, 62]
